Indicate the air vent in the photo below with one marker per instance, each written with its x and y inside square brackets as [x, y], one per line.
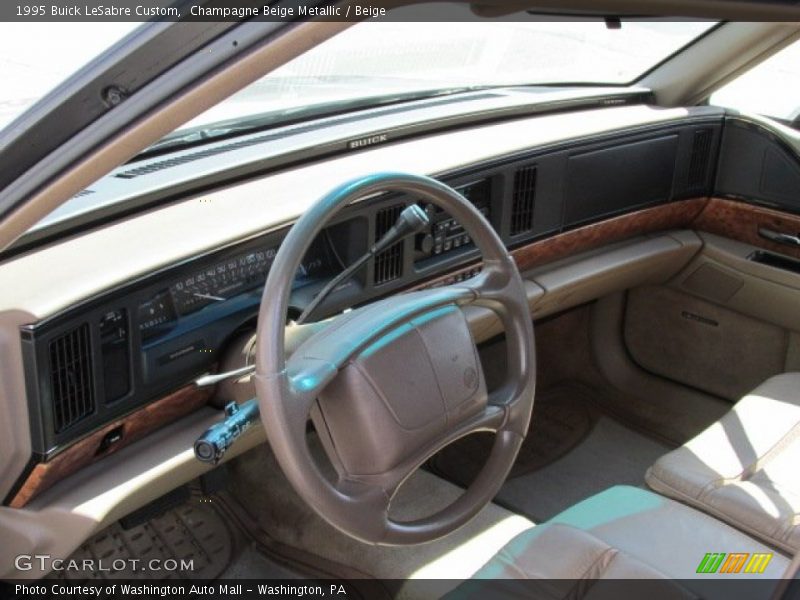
[523, 200]
[389, 263]
[71, 378]
[698, 164]
[187, 158]
[284, 132]
[83, 193]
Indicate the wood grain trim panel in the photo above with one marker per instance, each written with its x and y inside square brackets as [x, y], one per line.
[741, 221]
[87, 450]
[675, 215]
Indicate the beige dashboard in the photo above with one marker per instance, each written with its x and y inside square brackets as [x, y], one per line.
[644, 247]
[82, 504]
[43, 282]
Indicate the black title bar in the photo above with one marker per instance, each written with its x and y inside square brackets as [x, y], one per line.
[385, 10]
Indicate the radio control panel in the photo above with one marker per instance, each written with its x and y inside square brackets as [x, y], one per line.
[445, 235]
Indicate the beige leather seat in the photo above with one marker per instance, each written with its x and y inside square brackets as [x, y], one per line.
[745, 468]
[626, 533]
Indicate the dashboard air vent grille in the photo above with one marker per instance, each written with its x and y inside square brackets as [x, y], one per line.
[698, 163]
[389, 263]
[523, 200]
[168, 163]
[71, 377]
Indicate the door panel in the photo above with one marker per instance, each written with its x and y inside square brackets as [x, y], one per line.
[723, 325]
[701, 344]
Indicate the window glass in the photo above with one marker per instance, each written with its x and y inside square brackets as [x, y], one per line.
[771, 88]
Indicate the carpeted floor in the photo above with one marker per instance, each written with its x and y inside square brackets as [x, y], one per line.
[574, 450]
[261, 488]
[610, 455]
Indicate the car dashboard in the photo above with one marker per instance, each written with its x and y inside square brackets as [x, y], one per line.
[113, 339]
[101, 360]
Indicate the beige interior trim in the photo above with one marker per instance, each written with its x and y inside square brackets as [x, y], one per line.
[15, 439]
[577, 280]
[740, 284]
[692, 75]
[61, 518]
[41, 283]
[616, 366]
[100, 259]
[288, 44]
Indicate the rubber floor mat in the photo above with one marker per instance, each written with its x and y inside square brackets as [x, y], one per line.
[562, 418]
[162, 548]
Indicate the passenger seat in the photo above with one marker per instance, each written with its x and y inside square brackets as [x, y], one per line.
[745, 468]
[630, 534]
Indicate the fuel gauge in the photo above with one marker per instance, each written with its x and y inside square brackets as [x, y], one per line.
[156, 315]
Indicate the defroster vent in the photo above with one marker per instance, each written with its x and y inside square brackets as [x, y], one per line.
[71, 377]
[389, 263]
[523, 200]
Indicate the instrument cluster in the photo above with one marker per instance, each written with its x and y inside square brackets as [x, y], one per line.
[222, 281]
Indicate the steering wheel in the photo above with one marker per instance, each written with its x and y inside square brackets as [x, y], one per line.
[390, 384]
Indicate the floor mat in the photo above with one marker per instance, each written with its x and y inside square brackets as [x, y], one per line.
[253, 564]
[201, 530]
[573, 451]
[610, 455]
[261, 488]
[194, 532]
[562, 419]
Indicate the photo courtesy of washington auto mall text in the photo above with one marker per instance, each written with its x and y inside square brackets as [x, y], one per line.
[75, 591]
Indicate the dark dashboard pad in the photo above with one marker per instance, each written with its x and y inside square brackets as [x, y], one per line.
[99, 361]
[754, 164]
[611, 180]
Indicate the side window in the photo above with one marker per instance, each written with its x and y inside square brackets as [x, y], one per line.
[771, 88]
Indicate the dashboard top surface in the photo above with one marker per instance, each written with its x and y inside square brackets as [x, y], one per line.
[46, 281]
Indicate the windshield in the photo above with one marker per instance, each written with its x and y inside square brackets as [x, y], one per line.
[368, 64]
[376, 61]
[29, 69]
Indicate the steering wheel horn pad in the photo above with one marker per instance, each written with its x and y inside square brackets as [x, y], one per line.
[402, 394]
[390, 384]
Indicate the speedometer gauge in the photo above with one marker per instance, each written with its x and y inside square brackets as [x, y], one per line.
[222, 280]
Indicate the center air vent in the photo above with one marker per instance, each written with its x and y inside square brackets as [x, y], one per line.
[698, 163]
[71, 378]
[523, 200]
[389, 263]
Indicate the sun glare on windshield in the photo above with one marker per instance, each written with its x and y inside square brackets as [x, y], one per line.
[373, 61]
[379, 59]
[35, 68]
